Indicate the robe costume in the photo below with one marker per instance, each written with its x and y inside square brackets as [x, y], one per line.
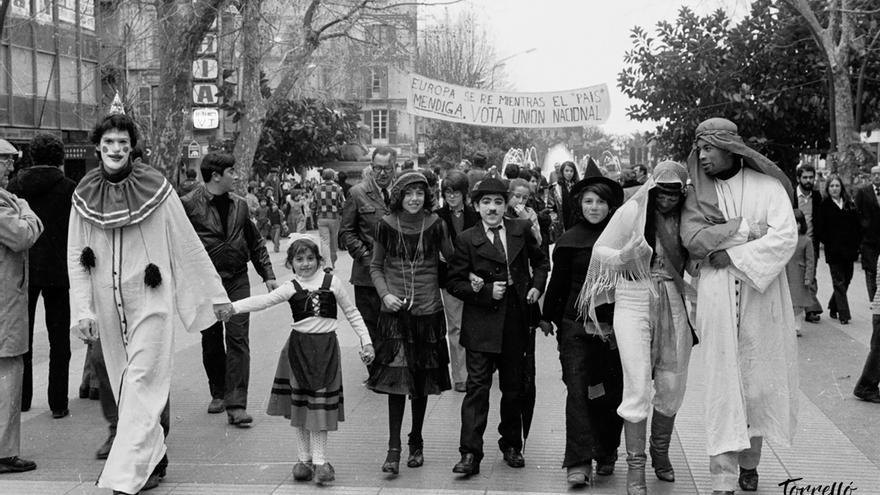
[125, 227]
[744, 315]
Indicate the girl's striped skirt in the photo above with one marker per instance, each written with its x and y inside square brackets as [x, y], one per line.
[308, 382]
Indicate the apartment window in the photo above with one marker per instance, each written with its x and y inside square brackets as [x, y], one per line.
[380, 126]
[68, 74]
[47, 74]
[89, 83]
[23, 75]
[376, 79]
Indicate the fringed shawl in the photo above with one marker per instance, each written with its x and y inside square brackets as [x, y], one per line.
[621, 253]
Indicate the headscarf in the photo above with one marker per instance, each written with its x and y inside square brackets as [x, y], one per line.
[622, 253]
[703, 227]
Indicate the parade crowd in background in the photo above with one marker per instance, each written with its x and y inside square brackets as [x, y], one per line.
[455, 270]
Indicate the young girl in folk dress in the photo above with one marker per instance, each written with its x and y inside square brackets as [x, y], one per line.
[308, 381]
[411, 354]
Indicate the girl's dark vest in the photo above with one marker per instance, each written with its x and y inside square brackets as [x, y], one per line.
[306, 304]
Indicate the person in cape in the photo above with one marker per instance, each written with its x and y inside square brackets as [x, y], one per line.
[136, 268]
[644, 267]
[738, 223]
[587, 347]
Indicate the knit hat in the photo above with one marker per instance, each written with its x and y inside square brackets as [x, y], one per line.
[403, 181]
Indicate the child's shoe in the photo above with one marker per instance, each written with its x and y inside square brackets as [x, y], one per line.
[325, 473]
[303, 471]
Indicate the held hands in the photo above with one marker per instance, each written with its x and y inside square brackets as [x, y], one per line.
[392, 302]
[367, 354]
[86, 330]
[546, 327]
[719, 260]
[533, 295]
[271, 285]
[223, 311]
[498, 289]
[476, 282]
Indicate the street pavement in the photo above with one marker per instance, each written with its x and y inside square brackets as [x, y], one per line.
[837, 444]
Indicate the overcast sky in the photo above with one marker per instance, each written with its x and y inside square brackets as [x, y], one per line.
[577, 42]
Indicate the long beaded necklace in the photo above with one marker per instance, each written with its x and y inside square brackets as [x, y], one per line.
[409, 294]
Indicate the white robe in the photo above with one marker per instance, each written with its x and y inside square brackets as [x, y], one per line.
[750, 344]
[136, 323]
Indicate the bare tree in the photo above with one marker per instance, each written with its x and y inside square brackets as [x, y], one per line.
[181, 25]
[840, 44]
[319, 22]
[458, 51]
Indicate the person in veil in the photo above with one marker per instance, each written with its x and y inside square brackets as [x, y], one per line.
[644, 268]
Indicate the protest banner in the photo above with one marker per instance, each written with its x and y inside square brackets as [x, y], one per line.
[571, 108]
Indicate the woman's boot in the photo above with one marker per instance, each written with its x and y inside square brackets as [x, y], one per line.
[634, 433]
[661, 434]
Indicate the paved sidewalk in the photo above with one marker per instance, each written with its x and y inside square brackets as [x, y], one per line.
[836, 443]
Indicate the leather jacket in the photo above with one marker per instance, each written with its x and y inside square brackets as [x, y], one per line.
[362, 211]
[229, 251]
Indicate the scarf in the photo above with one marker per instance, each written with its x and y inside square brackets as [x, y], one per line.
[109, 205]
[703, 226]
[621, 253]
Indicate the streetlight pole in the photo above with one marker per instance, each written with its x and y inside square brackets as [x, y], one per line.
[503, 61]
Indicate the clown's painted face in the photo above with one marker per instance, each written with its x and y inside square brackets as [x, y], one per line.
[115, 148]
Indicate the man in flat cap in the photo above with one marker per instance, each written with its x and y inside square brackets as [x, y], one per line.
[738, 221]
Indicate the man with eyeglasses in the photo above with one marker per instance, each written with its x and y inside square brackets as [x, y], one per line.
[367, 203]
[19, 229]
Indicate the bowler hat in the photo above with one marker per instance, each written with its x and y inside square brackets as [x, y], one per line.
[489, 185]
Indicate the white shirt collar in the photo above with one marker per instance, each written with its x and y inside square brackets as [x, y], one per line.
[486, 226]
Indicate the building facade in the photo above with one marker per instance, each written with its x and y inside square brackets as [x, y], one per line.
[50, 79]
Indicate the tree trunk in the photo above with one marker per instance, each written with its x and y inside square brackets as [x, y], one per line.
[250, 125]
[181, 25]
[847, 157]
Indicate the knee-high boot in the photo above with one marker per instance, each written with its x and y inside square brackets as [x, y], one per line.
[661, 434]
[635, 457]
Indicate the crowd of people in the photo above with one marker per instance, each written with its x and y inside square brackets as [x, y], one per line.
[451, 281]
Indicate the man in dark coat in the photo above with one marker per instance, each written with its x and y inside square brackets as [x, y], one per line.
[494, 332]
[867, 201]
[222, 221]
[48, 192]
[366, 204]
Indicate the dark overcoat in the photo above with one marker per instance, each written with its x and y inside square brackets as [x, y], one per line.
[482, 319]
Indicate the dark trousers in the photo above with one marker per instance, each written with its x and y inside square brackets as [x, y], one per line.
[593, 377]
[108, 401]
[368, 304]
[229, 366]
[841, 276]
[56, 302]
[870, 378]
[869, 264]
[510, 366]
